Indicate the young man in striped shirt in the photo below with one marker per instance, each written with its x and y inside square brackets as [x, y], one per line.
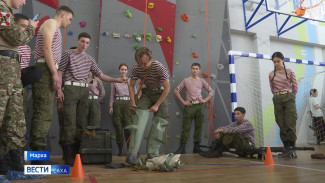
[239, 135]
[74, 68]
[156, 79]
[47, 57]
[193, 107]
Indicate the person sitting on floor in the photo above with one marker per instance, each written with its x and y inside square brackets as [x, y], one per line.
[239, 135]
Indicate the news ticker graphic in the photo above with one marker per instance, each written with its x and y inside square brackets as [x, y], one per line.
[47, 169]
[36, 155]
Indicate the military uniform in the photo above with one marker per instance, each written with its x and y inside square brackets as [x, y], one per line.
[12, 120]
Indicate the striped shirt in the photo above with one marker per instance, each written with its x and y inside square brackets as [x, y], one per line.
[96, 88]
[56, 46]
[24, 51]
[194, 88]
[119, 90]
[245, 129]
[76, 66]
[281, 83]
[156, 76]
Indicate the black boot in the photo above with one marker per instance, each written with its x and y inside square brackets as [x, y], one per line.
[181, 149]
[46, 162]
[5, 164]
[292, 149]
[197, 148]
[17, 159]
[120, 149]
[69, 153]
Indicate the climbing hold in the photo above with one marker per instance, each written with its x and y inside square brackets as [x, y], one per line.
[178, 136]
[194, 54]
[128, 14]
[168, 39]
[167, 137]
[178, 115]
[116, 35]
[70, 33]
[213, 76]
[136, 47]
[137, 37]
[105, 33]
[140, 82]
[127, 35]
[220, 67]
[194, 36]
[113, 137]
[151, 5]
[176, 63]
[184, 17]
[159, 29]
[214, 115]
[158, 38]
[206, 136]
[167, 116]
[205, 75]
[82, 24]
[149, 37]
[202, 11]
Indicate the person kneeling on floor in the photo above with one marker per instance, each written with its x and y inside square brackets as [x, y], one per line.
[239, 135]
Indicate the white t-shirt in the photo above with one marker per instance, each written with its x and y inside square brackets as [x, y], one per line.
[315, 112]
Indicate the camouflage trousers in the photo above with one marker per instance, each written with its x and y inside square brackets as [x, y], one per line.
[12, 119]
[233, 141]
[25, 99]
[121, 118]
[192, 112]
[43, 100]
[75, 111]
[94, 114]
[286, 116]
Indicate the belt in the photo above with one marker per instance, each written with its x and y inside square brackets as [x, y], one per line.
[195, 102]
[281, 93]
[93, 97]
[76, 83]
[42, 60]
[122, 98]
[161, 88]
[11, 54]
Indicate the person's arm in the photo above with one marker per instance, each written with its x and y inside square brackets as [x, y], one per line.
[162, 97]
[271, 84]
[101, 90]
[109, 79]
[207, 88]
[111, 98]
[48, 29]
[294, 83]
[131, 86]
[314, 104]
[59, 94]
[244, 127]
[178, 95]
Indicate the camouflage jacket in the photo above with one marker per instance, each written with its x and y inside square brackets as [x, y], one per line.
[10, 35]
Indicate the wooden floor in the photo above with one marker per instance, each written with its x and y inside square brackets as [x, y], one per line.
[199, 169]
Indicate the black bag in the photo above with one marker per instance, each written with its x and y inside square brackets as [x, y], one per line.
[30, 75]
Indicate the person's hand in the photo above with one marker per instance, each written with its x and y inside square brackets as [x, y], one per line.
[201, 100]
[60, 106]
[33, 23]
[111, 110]
[154, 108]
[59, 95]
[132, 109]
[217, 136]
[56, 82]
[187, 103]
[122, 80]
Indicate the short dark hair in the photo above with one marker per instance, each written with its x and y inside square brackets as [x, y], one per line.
[84, 34]
[19, 16]
[240, 109]
[196, 64]
[142, 51]
[312, 91]
[64, 8]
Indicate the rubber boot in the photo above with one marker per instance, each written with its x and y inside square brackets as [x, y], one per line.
[46, 162]
[181, 149]
[155, 137]
[197, 148]
[120, 149]
[5, 164]
[17, 159]
[69, 152]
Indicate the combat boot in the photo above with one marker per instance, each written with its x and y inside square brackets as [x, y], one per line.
[17, 159]
[5, 164]
[69, 152]
[120, 149]
[197, 148]
[181, 149]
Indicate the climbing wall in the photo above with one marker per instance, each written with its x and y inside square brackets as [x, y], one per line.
[116, 27]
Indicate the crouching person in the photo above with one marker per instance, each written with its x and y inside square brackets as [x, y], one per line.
[239, 135]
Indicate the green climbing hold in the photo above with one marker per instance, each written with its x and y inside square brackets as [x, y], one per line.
[178, 137]
[159, 29]
[136, 47]
[128, 14]
[149, 36]
[113, 137]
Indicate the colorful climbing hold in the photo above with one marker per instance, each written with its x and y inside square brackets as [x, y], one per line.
[137, 37]
[128, 14]
[158, 38]
[151, 5]
[116, 35]
[184, 17]
[176, 63]
[193, 35]
[105, 33]
[82, 24]
[205, 75]
[178, 115]
[194, 54]
[214, 115]
[159, 29]
[127, 35]
[168, 39]
[178, 136]
[70, 33]
[149, 37]
[213, 76]
[136, 47]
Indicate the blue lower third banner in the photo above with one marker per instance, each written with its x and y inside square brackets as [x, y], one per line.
[47, 169]
[36, 155]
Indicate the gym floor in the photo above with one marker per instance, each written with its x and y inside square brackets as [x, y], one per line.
[195, 168]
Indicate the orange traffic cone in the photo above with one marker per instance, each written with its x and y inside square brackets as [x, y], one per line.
[268, 157]
[78, 171]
